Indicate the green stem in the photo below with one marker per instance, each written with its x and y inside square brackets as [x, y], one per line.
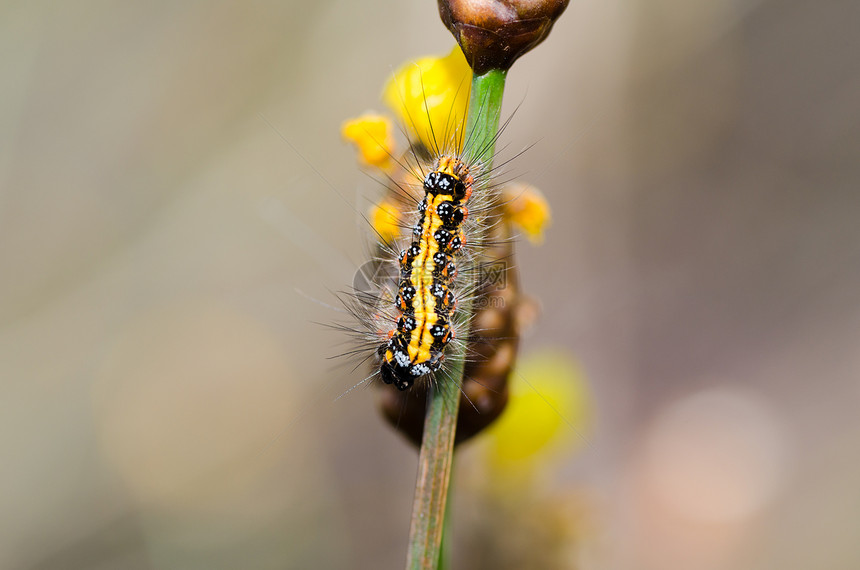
[445, 547]
[437, 447]
[485, 109]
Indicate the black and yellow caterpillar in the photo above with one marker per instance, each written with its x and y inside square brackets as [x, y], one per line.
[424, 301]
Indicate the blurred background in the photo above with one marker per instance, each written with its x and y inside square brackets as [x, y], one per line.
[175, 198]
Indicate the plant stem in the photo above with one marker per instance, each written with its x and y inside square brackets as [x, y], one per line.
[485, 108]
[440, 423]
[445, 546]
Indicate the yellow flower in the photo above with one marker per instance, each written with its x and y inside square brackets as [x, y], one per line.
[385, 219]
[526, 207]
[371, 133]
[430, 97]
[550, 404]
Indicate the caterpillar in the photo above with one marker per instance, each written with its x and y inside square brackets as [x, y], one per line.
[500, 310]
[437, 234]
[428, 259]
[403, 303]
[427, 270]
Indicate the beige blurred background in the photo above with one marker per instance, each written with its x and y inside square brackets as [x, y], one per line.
[165, 398]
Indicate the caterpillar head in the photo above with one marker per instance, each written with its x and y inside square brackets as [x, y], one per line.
[395, 367]
[393, 373]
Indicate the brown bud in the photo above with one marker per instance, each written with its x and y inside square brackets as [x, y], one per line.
[494, 33]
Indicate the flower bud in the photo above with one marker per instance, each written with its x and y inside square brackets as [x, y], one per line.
[429, 93]
[526, 207]
[494, 33]
[371, 134]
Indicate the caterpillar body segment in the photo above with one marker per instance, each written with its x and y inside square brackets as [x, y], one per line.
[425, 302]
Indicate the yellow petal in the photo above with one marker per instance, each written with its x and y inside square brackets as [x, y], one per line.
[430, 97]
[526, 207]
[372, 135]
[549, 404]
[385, 219]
